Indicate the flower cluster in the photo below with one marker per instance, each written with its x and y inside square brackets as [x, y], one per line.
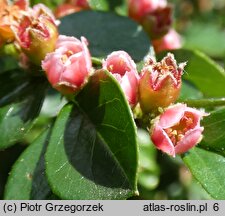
[178, 128]
[156, 18]
[67, 64]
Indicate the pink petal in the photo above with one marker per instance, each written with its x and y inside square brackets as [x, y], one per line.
[129, 84]
[197, 114]
[191, 138]
[40, 9]
[172, 40]
[86, 54]
[172, 115]
[139, 8]
[53, 67]
[70, 43]
[120, 61]
[161, 140]
[160, 82]
[76, 72]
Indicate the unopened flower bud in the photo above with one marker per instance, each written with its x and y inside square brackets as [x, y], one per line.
[66, 9]
[139, 8]
[36, 37]
[170, 41]
[69, 66]
[158, 22]
[123, 68]
[79, 3]
[160, 83]
[177, 129]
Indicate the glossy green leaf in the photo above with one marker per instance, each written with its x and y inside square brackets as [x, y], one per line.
[107, 32]
[209, 169]
[53, 103]
[19, 106]
[14, 84]
[188, 91]
[12, 126]
[203, 72]
[207, 163]
[92, 152]
[27, 178]
[214, 131]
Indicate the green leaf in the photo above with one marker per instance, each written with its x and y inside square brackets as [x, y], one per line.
[207, 37]
[207, 163]
[203, 72]
[17, 85]
[188, 91]
[214, 131]
[14, 84]
[27, 178]
[21, 98]
[107, 32]
[52, 104]
[92, 152]
[209, 169]
[11, 124]
[8, 63]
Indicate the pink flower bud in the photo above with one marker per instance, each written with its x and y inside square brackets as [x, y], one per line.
[177, 129]
[139, 8]
[79, 3]
[170, 41]
[160, 83]
[69, 66]
[82, 3]
[66, 9]
[36, 35]
[158, 22]
[123, 68]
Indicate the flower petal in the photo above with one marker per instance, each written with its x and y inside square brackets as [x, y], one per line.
[119, 62]
[129, 84]
[172, 115]
[190, 139]
[53, 67]
[162, 141]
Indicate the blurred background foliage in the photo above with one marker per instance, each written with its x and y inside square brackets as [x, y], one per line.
[202, 26]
